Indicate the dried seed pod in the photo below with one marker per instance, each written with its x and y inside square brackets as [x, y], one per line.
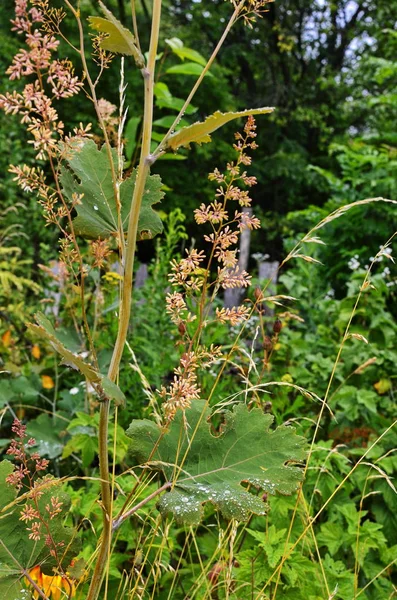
[258, 293]
[182, 328]
[267, 344]
[277, 326]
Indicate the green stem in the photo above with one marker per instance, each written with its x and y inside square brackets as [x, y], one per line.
[143, 171]
[125, 304]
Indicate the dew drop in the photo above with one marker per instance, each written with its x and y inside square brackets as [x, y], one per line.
[95, 207]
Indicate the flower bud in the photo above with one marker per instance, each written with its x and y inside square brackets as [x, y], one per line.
[182, 328]
[258, 293]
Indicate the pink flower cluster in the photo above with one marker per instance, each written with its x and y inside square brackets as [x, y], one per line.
[191, 303]
[34, 104]
[19, 450]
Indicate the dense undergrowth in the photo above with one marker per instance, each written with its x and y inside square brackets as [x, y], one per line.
[251, 450]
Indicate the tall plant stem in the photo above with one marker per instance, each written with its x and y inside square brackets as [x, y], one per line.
[125, 304]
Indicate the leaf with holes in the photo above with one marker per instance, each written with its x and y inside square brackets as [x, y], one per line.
[119, 39]
[89, 173]
[204, 467]
[200, 132]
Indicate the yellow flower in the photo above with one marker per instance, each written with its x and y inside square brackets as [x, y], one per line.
[112, 277]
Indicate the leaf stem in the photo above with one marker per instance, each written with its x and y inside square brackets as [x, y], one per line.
[120, 520]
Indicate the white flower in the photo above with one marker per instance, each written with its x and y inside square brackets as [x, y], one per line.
[353, 263]
[385, 272]
[74, 391]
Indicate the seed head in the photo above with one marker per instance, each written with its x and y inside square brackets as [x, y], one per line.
[277, 326]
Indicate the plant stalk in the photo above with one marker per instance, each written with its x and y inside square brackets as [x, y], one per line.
[125, 304]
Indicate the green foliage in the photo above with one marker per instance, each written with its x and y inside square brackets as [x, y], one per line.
[213, 467]
[182, 51]
[84, 439]
[14, 541]
[49, 434]
[97, 212]
[105, 387]
[331, 140]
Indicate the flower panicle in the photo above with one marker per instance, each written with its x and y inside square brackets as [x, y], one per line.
[193, 276]
[53, 78]
[28, 465]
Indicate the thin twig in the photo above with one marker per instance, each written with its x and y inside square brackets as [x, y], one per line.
[117, 522]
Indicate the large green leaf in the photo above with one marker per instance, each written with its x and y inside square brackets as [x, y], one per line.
[102, 384]
[119, 39]
[89, 173]
[14, 537]
[215, 466]
[200, 132]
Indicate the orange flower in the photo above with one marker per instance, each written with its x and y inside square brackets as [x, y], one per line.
[47, 382]
[36, 352]
[55, 587]
[6, 338]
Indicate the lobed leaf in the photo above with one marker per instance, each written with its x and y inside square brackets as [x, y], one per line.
[208, 468]
[89, 173]
[200, 132]
[120, 39]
